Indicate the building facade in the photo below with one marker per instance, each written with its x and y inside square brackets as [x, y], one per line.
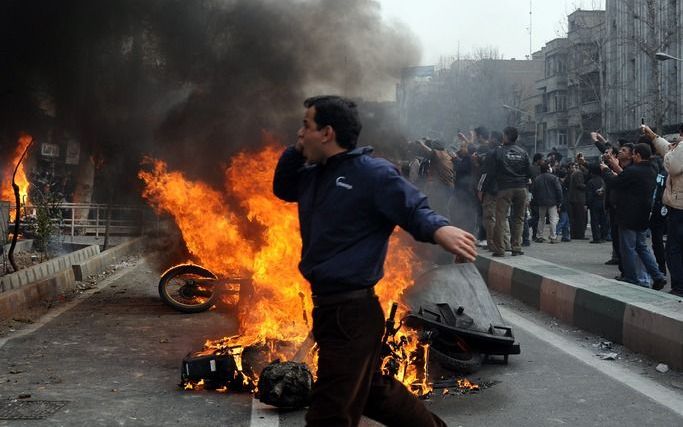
[639, 86]
[571, 94]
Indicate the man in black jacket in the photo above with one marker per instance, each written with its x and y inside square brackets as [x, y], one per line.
[349, 204]
[635, 186]
[511, 170]
[546, 191]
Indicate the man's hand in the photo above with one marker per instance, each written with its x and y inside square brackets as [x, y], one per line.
[456, 241]
[648, 132]
[463, 138]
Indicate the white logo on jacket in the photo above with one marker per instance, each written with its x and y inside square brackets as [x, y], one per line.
[340, 183]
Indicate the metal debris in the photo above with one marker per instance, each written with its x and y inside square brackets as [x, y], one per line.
[608, 356]
[663, 368]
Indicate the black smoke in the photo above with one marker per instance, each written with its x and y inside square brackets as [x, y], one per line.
[188, 81]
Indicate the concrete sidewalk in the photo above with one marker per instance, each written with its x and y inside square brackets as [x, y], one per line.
[570, 282]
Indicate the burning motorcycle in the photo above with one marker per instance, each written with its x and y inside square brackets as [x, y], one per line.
[191, 288]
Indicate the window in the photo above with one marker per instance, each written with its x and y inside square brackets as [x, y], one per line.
[562, 138]
[561, 102]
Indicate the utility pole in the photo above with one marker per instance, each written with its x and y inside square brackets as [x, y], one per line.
[530, 30]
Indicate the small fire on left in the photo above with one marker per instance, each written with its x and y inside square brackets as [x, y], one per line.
[6, 191]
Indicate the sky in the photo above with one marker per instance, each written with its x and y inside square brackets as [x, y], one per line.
[442, 25]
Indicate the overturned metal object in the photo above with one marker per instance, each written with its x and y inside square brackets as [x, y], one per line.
[453, 308]
[285, 385]
[214, 371]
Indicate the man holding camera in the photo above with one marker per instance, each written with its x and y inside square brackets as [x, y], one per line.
[635, 186]
[673, 201]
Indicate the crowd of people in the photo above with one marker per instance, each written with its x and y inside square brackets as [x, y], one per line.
[632, 193]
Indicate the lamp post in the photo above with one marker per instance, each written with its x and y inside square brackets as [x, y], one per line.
[508, 107]
[661, 56]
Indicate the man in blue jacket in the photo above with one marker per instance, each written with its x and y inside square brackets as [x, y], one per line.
[349, 204]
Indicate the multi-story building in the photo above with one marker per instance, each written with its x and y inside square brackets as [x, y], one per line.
[571, 94]
[640, 86]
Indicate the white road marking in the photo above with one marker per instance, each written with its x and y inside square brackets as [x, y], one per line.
[645, 386]
[263, 415]
[56, 312]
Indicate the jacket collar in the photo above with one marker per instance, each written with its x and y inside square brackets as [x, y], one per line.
[358, 151]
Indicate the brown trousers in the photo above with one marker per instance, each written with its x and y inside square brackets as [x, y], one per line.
[349, 336]
[513, 200]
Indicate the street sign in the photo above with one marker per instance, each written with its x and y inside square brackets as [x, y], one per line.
[49, 150]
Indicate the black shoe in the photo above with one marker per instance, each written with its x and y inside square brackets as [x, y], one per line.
[497, 255]
[515, 253]
[565, 239]
[539, 240]
[612, 262]
[658, 284]
[526, 243]
[676, 292]
[621, 279]
[595, 241]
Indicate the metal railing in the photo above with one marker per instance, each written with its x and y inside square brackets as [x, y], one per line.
[90, 219]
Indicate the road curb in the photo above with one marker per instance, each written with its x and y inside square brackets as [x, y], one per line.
[45, 282]
[643, 320]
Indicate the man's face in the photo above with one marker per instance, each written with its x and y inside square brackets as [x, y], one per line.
[624, 154]
[310, 138]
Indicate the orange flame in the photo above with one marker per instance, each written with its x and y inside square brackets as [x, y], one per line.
[6, 191]
[213, 230]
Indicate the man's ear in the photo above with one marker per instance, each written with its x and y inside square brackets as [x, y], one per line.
[328, 134]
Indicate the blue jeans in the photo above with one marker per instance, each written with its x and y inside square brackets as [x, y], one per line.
[563, 225]
[674, 248]
[637, 259]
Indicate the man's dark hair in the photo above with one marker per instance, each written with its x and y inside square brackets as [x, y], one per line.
[496, 136]
[644, 150]
[545, 167]
[340, 114]
[511, 134]
[482, 132]
[629, 146]
[537, 157]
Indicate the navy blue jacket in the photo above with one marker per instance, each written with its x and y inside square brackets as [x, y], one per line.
[348, 208]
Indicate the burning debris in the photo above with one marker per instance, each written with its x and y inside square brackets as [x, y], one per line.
[461, 386]
[269, 259]
[219, 370]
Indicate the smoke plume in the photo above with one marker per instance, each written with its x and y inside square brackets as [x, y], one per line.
[190, 82]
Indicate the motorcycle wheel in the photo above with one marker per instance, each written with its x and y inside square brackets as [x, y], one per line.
[188, 288]
[466, 363]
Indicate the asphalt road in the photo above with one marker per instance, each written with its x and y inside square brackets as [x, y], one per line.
[113, 358]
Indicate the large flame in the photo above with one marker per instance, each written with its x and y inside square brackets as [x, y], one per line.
[213, 230]
[6, 191]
